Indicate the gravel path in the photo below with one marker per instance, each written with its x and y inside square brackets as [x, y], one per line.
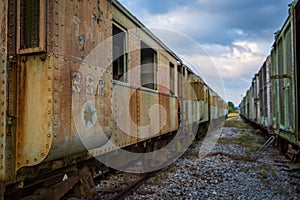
[228, 171]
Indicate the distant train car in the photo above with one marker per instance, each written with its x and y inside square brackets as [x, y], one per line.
[276, 99]
[87, 75]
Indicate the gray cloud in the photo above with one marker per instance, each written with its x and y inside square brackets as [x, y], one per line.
[236, 34]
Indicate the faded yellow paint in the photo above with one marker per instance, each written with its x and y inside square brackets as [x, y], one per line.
[34, 127]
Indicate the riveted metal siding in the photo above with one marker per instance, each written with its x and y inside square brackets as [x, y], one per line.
[34, 125]
[3, 89]
[125, 115]
[149, 124]
[283, 79]
[296, 23]
[268, 122]
[80, 26]
[3, 104]
[74, 130]
[274, 85]
[46, 83]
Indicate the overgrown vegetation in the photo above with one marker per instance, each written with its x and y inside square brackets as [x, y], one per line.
[231, 107]
[247, 137]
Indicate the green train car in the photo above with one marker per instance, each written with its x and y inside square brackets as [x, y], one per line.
[273, 98]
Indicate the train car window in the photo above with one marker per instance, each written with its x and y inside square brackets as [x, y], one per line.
[31, 20]
[179, 80]
[201, 92]
[205, 94]
[197, 90]
[172, 79]
[119, 54]
[148, 67]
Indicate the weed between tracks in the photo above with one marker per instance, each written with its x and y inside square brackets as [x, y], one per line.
[246, 138]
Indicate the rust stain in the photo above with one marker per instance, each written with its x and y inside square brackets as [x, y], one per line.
[33, 129]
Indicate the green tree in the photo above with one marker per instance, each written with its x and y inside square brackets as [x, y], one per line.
[231, 108]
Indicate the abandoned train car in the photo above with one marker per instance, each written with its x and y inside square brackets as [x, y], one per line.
[70, 67]
[273, 99]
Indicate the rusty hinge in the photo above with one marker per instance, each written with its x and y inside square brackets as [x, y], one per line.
[281, 76]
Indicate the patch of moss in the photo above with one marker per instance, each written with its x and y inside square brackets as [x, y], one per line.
[263, 173]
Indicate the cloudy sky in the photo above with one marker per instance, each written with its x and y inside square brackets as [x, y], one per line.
[237, 35]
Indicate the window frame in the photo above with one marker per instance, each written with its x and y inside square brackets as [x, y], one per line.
[155, 55]
[126, 66]
[42, 30]
[172, 78]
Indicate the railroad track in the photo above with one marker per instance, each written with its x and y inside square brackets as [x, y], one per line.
[131, 186]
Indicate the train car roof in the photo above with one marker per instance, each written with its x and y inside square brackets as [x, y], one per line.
[282, 29]
[128, 14]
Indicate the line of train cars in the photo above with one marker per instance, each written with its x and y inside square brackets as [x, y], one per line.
[273, 98]
[67, 83]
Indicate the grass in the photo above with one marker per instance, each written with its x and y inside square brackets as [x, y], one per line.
[239, 124]
[247, 137]
[263, 173]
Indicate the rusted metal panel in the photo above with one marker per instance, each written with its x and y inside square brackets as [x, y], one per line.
[170, 106]
[3, 90]
[12, 27]
[149, 125]
[34, 128]
[124, 115]
[163, 74]
[80, 26]
[81, 105]
[282, 78]
[37, 16]
[296, 28]
[3, 103]
[134, 59]
[174, 124]
[189, 114]
[3, 26]
[11, 118]
[165, 113]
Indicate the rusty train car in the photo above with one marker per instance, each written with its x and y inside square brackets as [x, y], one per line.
[273, 98]
[72, 68]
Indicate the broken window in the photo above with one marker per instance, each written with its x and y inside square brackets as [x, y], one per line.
[148, 67]
[119, 54]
